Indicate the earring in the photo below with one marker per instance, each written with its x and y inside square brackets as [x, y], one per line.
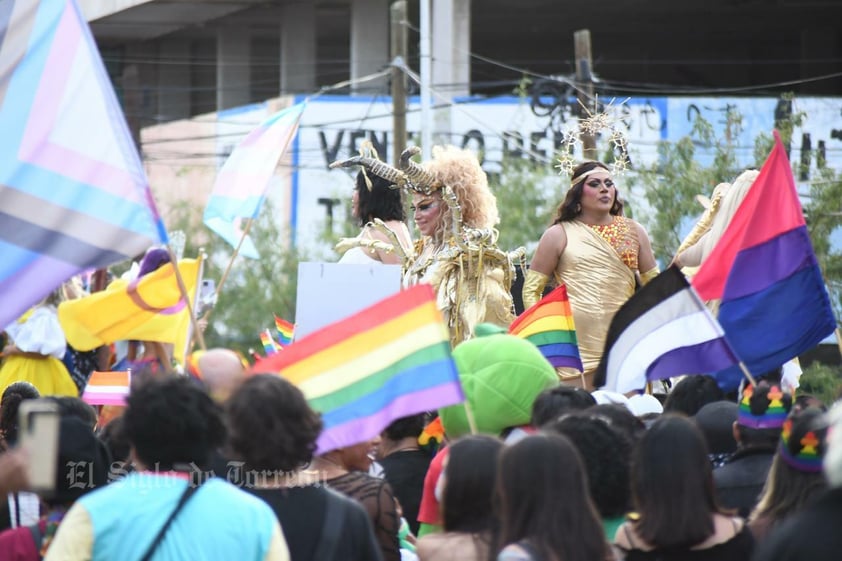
[578, 208]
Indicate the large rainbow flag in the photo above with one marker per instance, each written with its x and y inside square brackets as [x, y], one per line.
[548, 324]
[73, 193]
[361, 373]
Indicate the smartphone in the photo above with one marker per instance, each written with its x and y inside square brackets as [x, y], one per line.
[207, 295]
[39, 422]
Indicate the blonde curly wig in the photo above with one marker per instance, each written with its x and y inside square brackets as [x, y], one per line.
[460, 170]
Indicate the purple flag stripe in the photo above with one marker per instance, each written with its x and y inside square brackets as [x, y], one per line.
[365, 428]
[565, 361]
[37, 277]
[705, 357]
[761, 266]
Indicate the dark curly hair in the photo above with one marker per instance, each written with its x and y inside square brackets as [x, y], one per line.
[555, 402]
[272, 426]
[692, 393]
[570, 207]
[607, 456]
[9, 405]
[383, 201]
[171, 420]
[406, 427]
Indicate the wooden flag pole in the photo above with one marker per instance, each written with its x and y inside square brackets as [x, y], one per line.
[469, 414]
[183, 289]
[747, 374]
[227, 271]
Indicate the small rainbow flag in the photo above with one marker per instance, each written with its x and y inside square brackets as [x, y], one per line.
[361, 373]
[107, 388]
[270, 347]
[285, 331]
[549, 326]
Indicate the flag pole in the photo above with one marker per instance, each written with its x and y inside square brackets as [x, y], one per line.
[183, 289]
[747, 374]
[227, 271]
[469, 414]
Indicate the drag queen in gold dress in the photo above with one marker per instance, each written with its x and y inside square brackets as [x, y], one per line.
[598, 254]
[457, 254]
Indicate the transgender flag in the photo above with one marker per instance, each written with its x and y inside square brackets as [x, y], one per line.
[774, 302]
[73, 193]
[244, 178]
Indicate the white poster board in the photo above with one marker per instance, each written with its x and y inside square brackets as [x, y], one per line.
[329, 292]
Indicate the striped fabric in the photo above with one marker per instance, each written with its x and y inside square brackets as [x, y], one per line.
[73, 193]
[285, 329]
[549, 326]
[663, 330]
[244, 178]
[107, 388]
[388, 361]
[774, 300]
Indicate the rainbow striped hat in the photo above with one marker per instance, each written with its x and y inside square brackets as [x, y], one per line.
[765, 406]
[803, 440]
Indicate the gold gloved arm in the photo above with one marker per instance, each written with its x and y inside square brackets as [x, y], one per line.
[649, 275]
[533, 287]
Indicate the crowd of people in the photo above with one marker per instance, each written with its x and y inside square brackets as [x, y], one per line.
[221, 461]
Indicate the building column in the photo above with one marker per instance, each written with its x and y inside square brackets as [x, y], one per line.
[451, 64]
[818, 43]
[233, 68]
[298, 48]
[369, 42]
[174, 75]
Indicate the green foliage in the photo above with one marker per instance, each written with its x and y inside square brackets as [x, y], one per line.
[671, 185]
[254, 290]
[527, 196]
[822, 381]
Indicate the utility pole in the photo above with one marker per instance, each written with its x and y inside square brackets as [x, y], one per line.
[584, 88]
[398, 13]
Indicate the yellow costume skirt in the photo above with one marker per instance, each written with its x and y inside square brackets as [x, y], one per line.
[48, 374]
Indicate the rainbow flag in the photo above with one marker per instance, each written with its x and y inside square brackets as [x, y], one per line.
[774, 303]
[285, 331]
[361, 373]
[270, 347]
[242, 182]
[107, 388]
[73, 193]
[549, 326]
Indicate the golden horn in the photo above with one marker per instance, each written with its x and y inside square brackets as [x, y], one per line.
[376, 167]
[419, 176]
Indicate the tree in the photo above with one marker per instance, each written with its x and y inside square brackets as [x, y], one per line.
[671, 185]
[254, 290]
[527, 196]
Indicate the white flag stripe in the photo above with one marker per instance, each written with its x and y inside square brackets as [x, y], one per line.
[679, 304]
[99, 390]
[629, 374]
